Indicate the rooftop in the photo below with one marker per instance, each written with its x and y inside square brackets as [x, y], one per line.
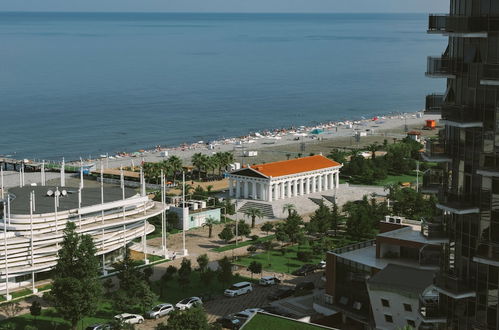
[45, 204]
[412, 233]
[275, 322]
[403, 278]
[294, 166]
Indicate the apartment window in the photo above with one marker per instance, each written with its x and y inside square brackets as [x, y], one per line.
[388, 318]
[411, 323]
[408, 307]
[385, 303]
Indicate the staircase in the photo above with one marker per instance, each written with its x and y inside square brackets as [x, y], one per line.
[330, 199]
[266, 209]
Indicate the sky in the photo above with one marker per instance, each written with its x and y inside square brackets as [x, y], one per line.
[282, 6]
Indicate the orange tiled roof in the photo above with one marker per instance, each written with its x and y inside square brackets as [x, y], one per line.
[294, 166]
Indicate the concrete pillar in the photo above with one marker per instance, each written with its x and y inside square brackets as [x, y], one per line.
[314, 184]
[231, 187]
[238, 188]
[246, 189]
[269, 192]
[283, 191]
[288, 183]
[331, 181]
[253, 191]
[307, 185]
[261, 192]
[302, 186]
[319, 186]
[295, 192]
[337, 180]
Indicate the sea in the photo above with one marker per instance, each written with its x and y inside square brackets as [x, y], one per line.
[84, 84]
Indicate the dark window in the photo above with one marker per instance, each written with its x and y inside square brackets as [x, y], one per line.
[411, 323]
[385, 303]
[408, 307]
[388, 318]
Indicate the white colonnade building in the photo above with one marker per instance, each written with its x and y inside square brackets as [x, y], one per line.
[285, 179]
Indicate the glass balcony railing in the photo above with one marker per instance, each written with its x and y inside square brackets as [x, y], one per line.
[460, 203]
[434, 104]
[434, 180]
[439, 67]
[462, 24]
[453, 286]
[430, 310]
[435, 151]
[488, 250]
[463, 115]
[434, 228]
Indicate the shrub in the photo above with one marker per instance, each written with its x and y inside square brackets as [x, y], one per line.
[251, 248]
[254, 238]
[304, 255]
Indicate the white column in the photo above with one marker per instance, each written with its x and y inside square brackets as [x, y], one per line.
[314, 182]
[337, 180]
[307, 185]
[238, 188]
[302, 186]
[246, 188]
[288, 183]
[253, 191]
[269, 192]
[331, 181]
[282, 192]
[262, 192]
[320, 183]
[295, 192]
[231, 187]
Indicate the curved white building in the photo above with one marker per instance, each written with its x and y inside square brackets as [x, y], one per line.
[34, 218]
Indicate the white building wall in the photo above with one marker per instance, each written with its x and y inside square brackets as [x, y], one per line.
[396, 309]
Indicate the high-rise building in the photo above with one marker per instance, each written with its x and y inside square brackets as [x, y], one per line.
[467, 180]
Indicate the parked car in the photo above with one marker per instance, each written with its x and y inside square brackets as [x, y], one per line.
[160, 311]
[238, 289]
[247, 313]
[230, 322]
[281, 293]
[269, 280]
[98, 327]
[188, 303]
[305, 270]
[305, 286]
[129, 318]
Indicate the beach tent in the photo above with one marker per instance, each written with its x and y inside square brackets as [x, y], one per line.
[317, 131]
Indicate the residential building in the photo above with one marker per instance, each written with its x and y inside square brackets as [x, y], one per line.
[194, 214]
[285, 179]
[467, 150]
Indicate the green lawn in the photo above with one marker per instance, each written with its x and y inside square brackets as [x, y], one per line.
[240, 244]
[264, 321]
[396, 179]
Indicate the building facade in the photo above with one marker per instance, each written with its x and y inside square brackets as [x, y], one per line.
[194, 214]
[33, 220]
[467, 180]
[285, 179]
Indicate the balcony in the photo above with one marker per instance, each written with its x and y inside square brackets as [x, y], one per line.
[440, 67]
[490, 75]
[435, 152]
[430, 310]
[453, 287]
[458, 203]
[434, 229]
[462, 116]
[433, 181]
[463, 26]
[487, 253]
[434, 104]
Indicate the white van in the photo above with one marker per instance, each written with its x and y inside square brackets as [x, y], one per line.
[238, 289]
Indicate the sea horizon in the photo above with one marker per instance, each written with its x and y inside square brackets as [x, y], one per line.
[90, 83]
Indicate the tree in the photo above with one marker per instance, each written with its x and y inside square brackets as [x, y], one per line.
[373, 147]
[320, 221]
[291, 227]
[226, 234]
[230, 208]
[35, 309]
[243, 229]
[253, 213]
[335, 217]
[176, 166]
[359, 222]
[167, 277]
[76, 287]
[108, 285]
[184, 273]
[267, 227]
[207, 277]
[290, 208]
[255, 268]
[203, 262]
[224, 270]
[190, 319]
[11, 309]
[210, 222]
[147, 273]
[172, 219]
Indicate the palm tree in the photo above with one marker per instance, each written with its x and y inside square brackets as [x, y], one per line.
[210, 222]
[373, 148]
[176, 166]
[253, 213]
[199, 161]
[289, 208]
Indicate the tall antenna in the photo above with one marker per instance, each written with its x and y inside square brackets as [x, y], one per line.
[1, 183]
[81, 173]
[7, 296]
[32, 247]
[43, 173]
[183, 218]
[63, 178]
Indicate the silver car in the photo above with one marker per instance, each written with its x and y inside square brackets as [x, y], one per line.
[160, 311]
